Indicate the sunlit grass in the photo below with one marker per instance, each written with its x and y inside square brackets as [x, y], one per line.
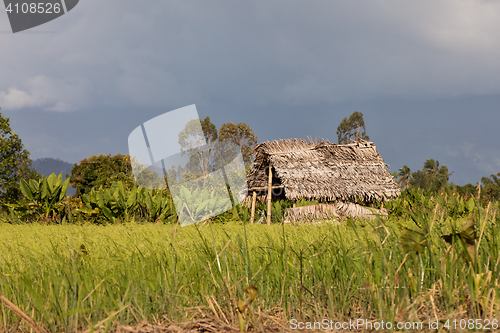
[353, 270]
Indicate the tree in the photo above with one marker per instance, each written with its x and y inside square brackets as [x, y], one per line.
[468, 190]
[216, 148]
[443, 172]
[420, 179]
[209, 130]
[431, 166]
[432, 177]
[491, 187]
[404, 175]
[15, 163]
[188, 137]
[352, 129]
[240, 135]
[438, 175]
[95, 171]
[197, 146]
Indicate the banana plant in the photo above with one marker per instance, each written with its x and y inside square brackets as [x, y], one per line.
[46, 194]
[114, 203]
[201, 205]
[155, 204]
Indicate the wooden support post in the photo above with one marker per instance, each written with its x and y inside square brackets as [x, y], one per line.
[382, 205]
[269, 195]
[252, 215]
[294, 204]
[264, 188]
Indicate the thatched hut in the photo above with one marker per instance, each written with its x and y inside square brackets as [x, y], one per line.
[321, 171]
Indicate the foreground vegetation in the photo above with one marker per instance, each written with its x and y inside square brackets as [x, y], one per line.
[113, 253]
[69, 276]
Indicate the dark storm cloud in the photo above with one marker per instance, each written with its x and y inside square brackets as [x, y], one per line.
[287, 68]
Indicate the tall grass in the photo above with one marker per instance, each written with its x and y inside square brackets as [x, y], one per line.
[72, 277]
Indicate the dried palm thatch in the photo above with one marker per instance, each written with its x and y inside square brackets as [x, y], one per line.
[330, 211]
[322, 171]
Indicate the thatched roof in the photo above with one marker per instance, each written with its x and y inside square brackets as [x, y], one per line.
[335, 210]
[322, 171]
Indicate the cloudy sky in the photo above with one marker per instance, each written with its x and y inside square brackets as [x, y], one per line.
[425, 74]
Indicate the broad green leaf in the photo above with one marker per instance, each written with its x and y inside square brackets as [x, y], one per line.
[45, 191]
[212, 204]
[205, 195]
[50, 205]
[223, 204]
[64, 189]
[187, 195]
[467, 238]
[107, 196]
[413, 241]
[461, 206]
[51, 181]
[469, 231]
[157, 202]
[108, 213]
[59, 180]
[132, 198]
[201, 208]
[87, 210]
[25, 189]
[177, 202]
[121, 191]
[149, 201]
[100, 199]
[34, 186]
[471, 205]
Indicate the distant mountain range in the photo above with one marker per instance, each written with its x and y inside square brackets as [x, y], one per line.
[50, 165]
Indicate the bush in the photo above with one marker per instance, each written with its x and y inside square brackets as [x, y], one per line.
[102, 170]
[15, 163]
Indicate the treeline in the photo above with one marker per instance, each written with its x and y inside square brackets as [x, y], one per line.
[434, 178]
[107, 193]
[106, 189]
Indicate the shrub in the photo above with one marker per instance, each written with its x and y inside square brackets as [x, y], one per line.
[15, 163]
[102, 170]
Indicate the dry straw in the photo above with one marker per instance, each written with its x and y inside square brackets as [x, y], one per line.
[323, 171]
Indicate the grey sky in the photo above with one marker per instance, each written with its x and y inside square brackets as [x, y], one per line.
[425, 74]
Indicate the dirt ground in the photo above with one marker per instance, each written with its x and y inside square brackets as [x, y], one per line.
[206, 325]
[214, 325]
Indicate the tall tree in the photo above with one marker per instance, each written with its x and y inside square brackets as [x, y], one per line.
[352, 129]
[209, 130]
[15, 163]
[240, 135]
[443, 172]
[431, 166]
[432, 177]
[218, 147]
[197, 147]
[404, 175]
[420, 179]
[491, 187]
[468, 190]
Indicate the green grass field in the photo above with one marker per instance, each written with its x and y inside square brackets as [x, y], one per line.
[70, 277]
